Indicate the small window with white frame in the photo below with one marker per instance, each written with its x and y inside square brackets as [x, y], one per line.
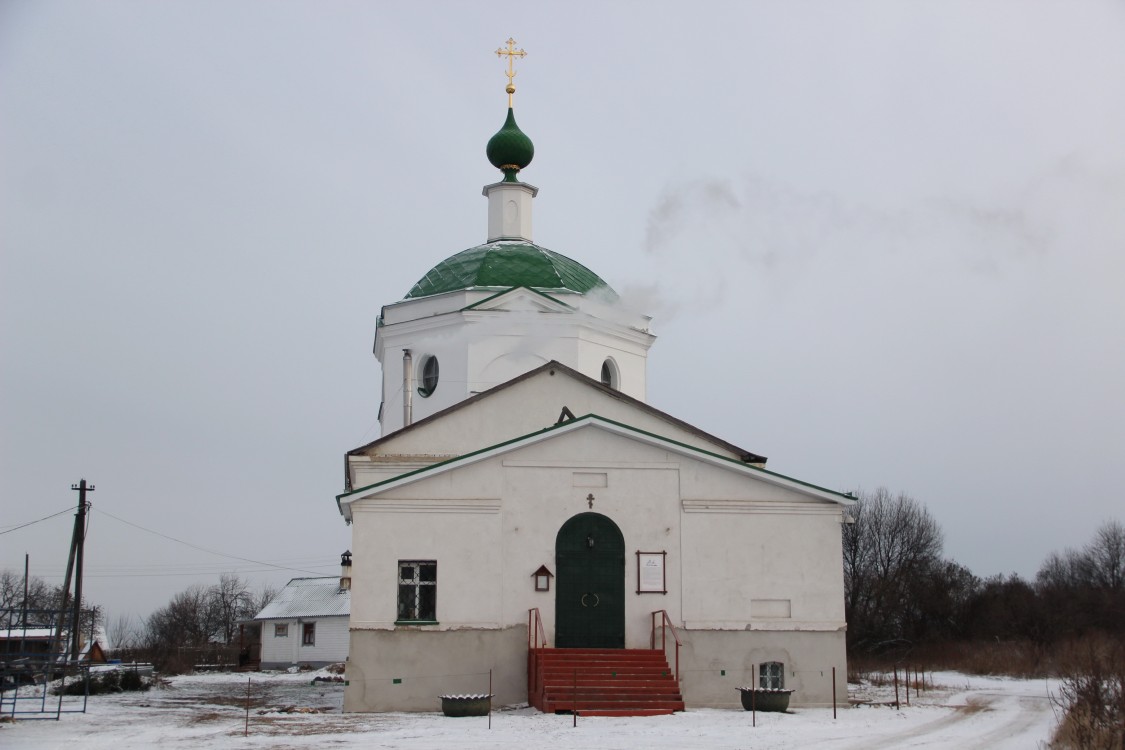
[417, 591]
[281, 630]
[771, 675]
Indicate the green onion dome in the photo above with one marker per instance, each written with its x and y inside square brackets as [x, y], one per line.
[506, 264]
[510, 150]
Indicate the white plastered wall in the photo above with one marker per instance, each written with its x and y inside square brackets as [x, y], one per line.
[478, 349]
[732, 540]
[520, 409]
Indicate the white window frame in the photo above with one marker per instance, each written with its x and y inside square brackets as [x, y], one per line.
[414, 580]
[771, 675]
[281, 630]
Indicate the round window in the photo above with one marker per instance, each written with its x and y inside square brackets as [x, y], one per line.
[429, 376]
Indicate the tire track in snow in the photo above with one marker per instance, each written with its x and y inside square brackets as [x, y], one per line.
[1029, 712]
[917, 736]
[1000, 721]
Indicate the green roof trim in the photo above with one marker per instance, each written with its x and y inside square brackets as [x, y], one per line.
[849, 497]
[507, 264]
[501, 293]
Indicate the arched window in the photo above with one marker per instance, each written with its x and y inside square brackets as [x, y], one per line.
[609, 374]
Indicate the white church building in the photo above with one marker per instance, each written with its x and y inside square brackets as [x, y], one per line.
[524, 504]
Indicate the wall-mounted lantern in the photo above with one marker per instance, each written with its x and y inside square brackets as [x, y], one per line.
[542, 578]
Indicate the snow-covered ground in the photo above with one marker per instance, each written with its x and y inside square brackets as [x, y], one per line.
[289, 711]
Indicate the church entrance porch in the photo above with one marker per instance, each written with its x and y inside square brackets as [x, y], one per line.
[590, 583]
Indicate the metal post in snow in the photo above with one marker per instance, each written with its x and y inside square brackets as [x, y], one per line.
[897, 705]
[833, 693]
[753, 695]
[574, 705]
[246, 729]
[490, 699]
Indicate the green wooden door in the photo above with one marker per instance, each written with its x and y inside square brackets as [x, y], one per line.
[590, 583]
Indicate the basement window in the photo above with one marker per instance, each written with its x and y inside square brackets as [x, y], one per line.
[417, 591]
[771, 675]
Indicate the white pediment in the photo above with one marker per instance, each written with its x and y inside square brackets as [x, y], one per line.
[521, 299]
[718, 496]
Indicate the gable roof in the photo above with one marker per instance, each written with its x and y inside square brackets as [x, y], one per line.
[309, 597]
[553, 367]
[595, 421]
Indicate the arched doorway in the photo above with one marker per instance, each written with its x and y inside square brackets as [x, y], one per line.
[589, 583]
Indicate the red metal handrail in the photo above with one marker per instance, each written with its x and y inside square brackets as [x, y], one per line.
[666, 625]
[536, 639]
[535, 632]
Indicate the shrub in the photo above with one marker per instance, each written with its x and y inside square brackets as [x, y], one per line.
[111, 681]
[1093, 696]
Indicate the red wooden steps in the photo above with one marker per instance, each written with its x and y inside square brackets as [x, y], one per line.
[602, 682]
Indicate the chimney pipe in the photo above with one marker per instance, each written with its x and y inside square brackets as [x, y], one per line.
[346, 571]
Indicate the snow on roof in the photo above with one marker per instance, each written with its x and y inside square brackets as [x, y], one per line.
[309, 597]
[17, 633]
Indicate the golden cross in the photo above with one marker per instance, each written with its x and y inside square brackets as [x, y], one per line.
[512, 53]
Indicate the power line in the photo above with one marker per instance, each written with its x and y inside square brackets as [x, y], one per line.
[30, 523]
[242, 570]
[124, 569]
[204, 549]
[176, 575]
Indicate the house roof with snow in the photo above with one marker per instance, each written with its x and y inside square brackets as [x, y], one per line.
[309, 597]
[28, 634]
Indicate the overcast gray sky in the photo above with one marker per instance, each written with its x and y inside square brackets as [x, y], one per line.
[883, 242]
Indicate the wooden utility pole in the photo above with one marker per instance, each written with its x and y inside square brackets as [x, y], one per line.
[77, 542]
[80, 532]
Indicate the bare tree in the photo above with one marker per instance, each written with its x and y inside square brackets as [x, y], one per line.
[264, 596]
[41, 601]
[1086, 588]
[122, 632]
[231, 603]
[41, 597]
[186, 621]
[890, 551]
[200, 622]
[1106, 556]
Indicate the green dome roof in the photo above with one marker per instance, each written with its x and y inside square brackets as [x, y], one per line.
[510, 149]
[508, 264]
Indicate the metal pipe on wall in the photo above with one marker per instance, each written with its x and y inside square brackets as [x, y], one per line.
[407, 388]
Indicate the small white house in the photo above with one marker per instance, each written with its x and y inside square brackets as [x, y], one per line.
[306, 623]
